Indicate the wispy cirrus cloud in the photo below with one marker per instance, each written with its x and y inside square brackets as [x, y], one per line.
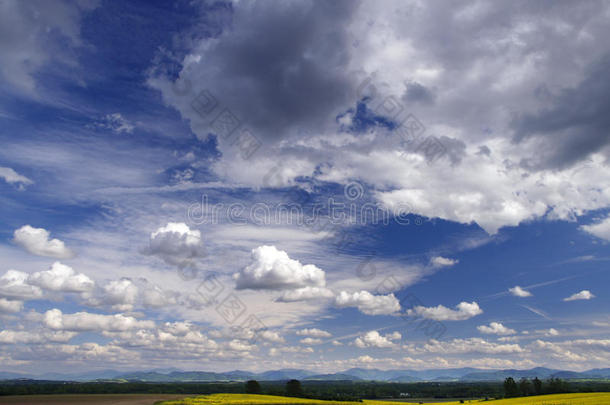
[12, 177]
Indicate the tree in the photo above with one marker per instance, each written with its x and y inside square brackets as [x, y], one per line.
[253, 387]
[537, 386]
[293, 388]
[525, 387]
[557, 386]
[510, 388]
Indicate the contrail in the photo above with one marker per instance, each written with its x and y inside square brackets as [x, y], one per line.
[532, 286]
[537, 311]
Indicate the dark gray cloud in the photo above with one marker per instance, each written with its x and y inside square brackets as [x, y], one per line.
[489, 56]
[578, 121]
[454, 148]
[36, 34]
[417, 93]
[484, 151]
[465, 72]
[280, 65]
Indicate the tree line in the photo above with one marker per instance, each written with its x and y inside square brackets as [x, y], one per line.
[293, 388]
[331, 390]
[525, 387]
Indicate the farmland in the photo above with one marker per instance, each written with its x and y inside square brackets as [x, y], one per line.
[599, 398]
[324, 392]
[93, 399]
[251, 399]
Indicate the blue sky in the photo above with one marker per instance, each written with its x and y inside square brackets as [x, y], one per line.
[317, 185]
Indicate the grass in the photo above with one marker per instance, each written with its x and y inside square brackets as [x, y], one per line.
[596, 398]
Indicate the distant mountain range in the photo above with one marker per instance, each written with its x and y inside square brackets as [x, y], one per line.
[353, 374]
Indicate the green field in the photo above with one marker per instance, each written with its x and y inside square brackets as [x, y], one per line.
[596, 398]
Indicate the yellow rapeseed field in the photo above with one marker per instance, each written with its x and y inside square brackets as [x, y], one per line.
[251, 399]
[595, 398]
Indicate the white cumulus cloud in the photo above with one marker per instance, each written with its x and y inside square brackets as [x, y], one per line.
[22, 336]
[10, 305]
[463, 311]
[440, 261]
[120, 294]
[583, 295]
[551, 332]
[14, 284]
[177, 244]
[496, 328]
[368, 303]
[85, 321]
[375, 339]
[519, 292]
[61, 278]
[37, 242]
[314, 332]
[311, 341]
[469, 345]
[271, 336]
[600, 229]
[272, 269]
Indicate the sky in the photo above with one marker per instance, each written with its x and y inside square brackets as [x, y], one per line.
[257, 185]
